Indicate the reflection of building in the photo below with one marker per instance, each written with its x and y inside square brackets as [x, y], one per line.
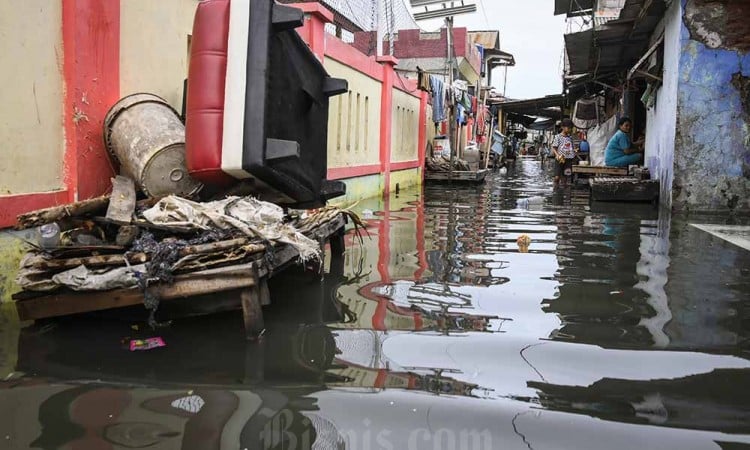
[407, 306]
[708, 401]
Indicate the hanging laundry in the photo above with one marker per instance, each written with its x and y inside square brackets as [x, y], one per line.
[438, 99]
[424, 81]
[460, 114]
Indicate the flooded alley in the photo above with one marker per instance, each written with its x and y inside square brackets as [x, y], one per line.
[499, 316]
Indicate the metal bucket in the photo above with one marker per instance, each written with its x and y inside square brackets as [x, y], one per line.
[144, 134]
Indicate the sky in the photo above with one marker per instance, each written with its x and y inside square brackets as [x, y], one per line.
[531, 33]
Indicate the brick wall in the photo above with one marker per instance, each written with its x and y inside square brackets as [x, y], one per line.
[413, 44]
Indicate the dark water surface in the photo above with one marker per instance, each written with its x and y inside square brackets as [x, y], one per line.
[619, 328]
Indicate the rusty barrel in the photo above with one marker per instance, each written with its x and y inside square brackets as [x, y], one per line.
[143, 133]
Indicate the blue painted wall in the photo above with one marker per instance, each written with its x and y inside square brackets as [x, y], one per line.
[712, 142]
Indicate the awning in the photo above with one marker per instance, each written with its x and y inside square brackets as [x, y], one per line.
[578, 48]
[549, 106]
[616, 45]
[573, 7]
[542, 125]
[496, 57]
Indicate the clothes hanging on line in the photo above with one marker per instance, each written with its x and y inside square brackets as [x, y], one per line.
[423, 81]
[438, 99]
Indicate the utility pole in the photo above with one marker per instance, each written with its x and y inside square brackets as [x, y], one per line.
[451, 108]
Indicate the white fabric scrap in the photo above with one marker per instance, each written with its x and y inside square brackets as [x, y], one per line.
[253, 217]
[192, 403]
[82, 278]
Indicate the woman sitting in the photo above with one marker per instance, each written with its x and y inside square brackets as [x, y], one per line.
[620, 151]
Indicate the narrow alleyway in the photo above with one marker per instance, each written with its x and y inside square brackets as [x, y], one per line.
[616, 327]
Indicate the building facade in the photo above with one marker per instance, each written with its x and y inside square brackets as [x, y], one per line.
[681, 70]
[74, 59]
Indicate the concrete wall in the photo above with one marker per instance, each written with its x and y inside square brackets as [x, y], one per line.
[712, 148]
[154, 47]
[31, 127]
[353, 119]
[661, 118]
[404, 132]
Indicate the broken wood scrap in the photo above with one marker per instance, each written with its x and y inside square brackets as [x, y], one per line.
[56, 213]
[140, 258]
[122, 201]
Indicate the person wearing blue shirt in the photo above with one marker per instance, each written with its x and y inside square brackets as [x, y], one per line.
[620, 152]
[583, 149]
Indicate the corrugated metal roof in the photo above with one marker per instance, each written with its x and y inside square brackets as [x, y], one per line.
[617, 44]
[578, 48]
[549, 106]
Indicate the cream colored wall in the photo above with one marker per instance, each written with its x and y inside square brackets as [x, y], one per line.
[353, 119]
[405, 129]
[31, 128]
[154, 47]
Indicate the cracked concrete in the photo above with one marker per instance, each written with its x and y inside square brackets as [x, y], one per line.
[712, 142]
[719, 24]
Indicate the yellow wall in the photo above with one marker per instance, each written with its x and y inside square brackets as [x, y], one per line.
[31, 128]
[353, 119]
[405, 128]
[154, 47]
[405, 178]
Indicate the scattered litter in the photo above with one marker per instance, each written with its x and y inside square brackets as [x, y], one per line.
[615, 292]
[368, 214]
[526, 203]
[134, 327]
[192, 403]
[523, 242]
[146, 344]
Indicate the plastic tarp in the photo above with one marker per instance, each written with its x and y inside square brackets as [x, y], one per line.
[252, 217]
[598, 137]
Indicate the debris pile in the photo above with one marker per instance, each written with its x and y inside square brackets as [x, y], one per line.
[83, 249]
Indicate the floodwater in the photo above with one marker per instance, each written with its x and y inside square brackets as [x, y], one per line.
[616, 328]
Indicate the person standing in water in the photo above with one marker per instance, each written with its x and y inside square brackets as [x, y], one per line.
[563, 151]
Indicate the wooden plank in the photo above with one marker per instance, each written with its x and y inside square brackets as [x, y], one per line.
[600, 170]
[140, 258]
[457, 175]
[240, 276]
[55, 213]
[336, 241]
[197, 283]
[252, 311]
[122, 201]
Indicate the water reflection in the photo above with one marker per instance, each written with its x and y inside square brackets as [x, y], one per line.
[614, 325]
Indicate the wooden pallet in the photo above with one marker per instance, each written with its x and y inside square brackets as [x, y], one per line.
[624, 189]
[248, 281]
[468, 176]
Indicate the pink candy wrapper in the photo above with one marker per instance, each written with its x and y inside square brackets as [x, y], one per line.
[146, 344]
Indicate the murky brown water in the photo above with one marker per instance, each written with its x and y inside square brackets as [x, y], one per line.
[617, 328]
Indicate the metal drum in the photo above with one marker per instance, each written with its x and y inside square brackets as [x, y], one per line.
[143, 133]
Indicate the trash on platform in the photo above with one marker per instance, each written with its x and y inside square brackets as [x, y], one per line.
[146, 344]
